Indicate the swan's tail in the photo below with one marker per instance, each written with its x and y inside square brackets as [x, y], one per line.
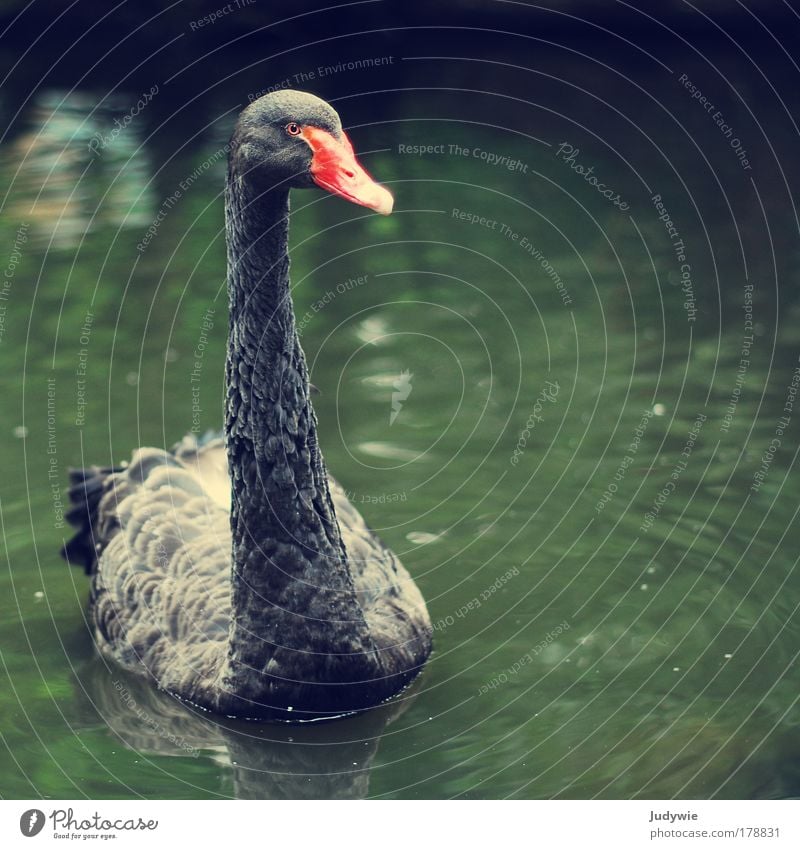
[87, 487]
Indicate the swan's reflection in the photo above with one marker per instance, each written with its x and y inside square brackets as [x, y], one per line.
[321, 760]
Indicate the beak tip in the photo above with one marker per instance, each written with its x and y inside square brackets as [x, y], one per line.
[385, 204]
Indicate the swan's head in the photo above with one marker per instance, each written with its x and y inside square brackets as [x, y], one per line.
[295, 139]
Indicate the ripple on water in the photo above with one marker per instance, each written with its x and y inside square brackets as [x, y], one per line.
[388, 451]
[423, 537]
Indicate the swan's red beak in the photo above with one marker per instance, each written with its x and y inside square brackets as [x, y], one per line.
[334, 168]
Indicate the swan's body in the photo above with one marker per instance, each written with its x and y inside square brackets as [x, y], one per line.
[236, 574]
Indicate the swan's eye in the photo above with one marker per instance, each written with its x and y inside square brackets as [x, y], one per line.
[293, 129]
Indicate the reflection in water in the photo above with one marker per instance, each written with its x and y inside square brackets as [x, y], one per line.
[78, 164]
[320, 760]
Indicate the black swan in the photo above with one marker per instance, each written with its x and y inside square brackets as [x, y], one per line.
[250, 586]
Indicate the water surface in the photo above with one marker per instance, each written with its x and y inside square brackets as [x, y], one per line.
[595, 494]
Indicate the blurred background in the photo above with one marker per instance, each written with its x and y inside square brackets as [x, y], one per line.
[588, 298]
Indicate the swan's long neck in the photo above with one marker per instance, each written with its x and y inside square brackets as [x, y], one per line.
[292, 589]
[279, 479]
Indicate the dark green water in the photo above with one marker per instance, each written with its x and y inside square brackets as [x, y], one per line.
[583, 648]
